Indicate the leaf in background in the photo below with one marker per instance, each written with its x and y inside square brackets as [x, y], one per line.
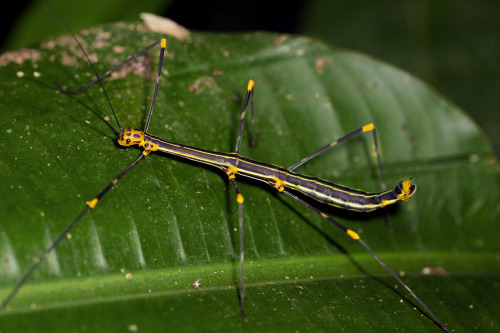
[421, 37]
[170, 223]
[26, 29]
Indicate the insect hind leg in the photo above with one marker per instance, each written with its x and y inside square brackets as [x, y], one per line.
[387, 215]
[355, 236]
[367, 128]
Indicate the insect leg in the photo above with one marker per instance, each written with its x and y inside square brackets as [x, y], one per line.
[158, 73]
[89, 205]
[356, 236]
[248, 97]
[114, 69]
[231, 172]
[367, 128]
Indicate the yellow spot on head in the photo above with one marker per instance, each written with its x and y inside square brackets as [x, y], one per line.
[251, 83]
[240, 198]
[163, 43]
[92, 202]
[353, 234]
[368, 127]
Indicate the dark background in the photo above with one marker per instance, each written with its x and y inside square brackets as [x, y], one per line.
[453, 45]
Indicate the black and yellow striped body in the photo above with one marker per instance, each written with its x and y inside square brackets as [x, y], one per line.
[275, 176]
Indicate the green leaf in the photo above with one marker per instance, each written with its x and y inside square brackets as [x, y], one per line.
[422, 38]
[132, 261]
[26, 30]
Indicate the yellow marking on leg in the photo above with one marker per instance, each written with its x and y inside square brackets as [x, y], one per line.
[163, 43]
[251, 83]
[240, 198]
[353, 234]
[368, 127]
[92, 202]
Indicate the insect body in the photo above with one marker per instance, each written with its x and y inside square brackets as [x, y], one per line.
[275, 176]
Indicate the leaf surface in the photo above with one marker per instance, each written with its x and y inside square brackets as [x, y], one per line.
[170, 222]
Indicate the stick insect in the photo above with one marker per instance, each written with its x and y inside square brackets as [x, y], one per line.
[285, 181]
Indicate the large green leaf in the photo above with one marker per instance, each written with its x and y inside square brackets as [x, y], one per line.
[170, 223]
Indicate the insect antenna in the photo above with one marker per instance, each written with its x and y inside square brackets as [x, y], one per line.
[104, 120]
[86, 57]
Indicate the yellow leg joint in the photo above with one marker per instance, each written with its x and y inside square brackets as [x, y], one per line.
[92, 202]
[279, 184]
[368, 127]
[232, 171]
[240, 198]
[354, 235]
[163, 43]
